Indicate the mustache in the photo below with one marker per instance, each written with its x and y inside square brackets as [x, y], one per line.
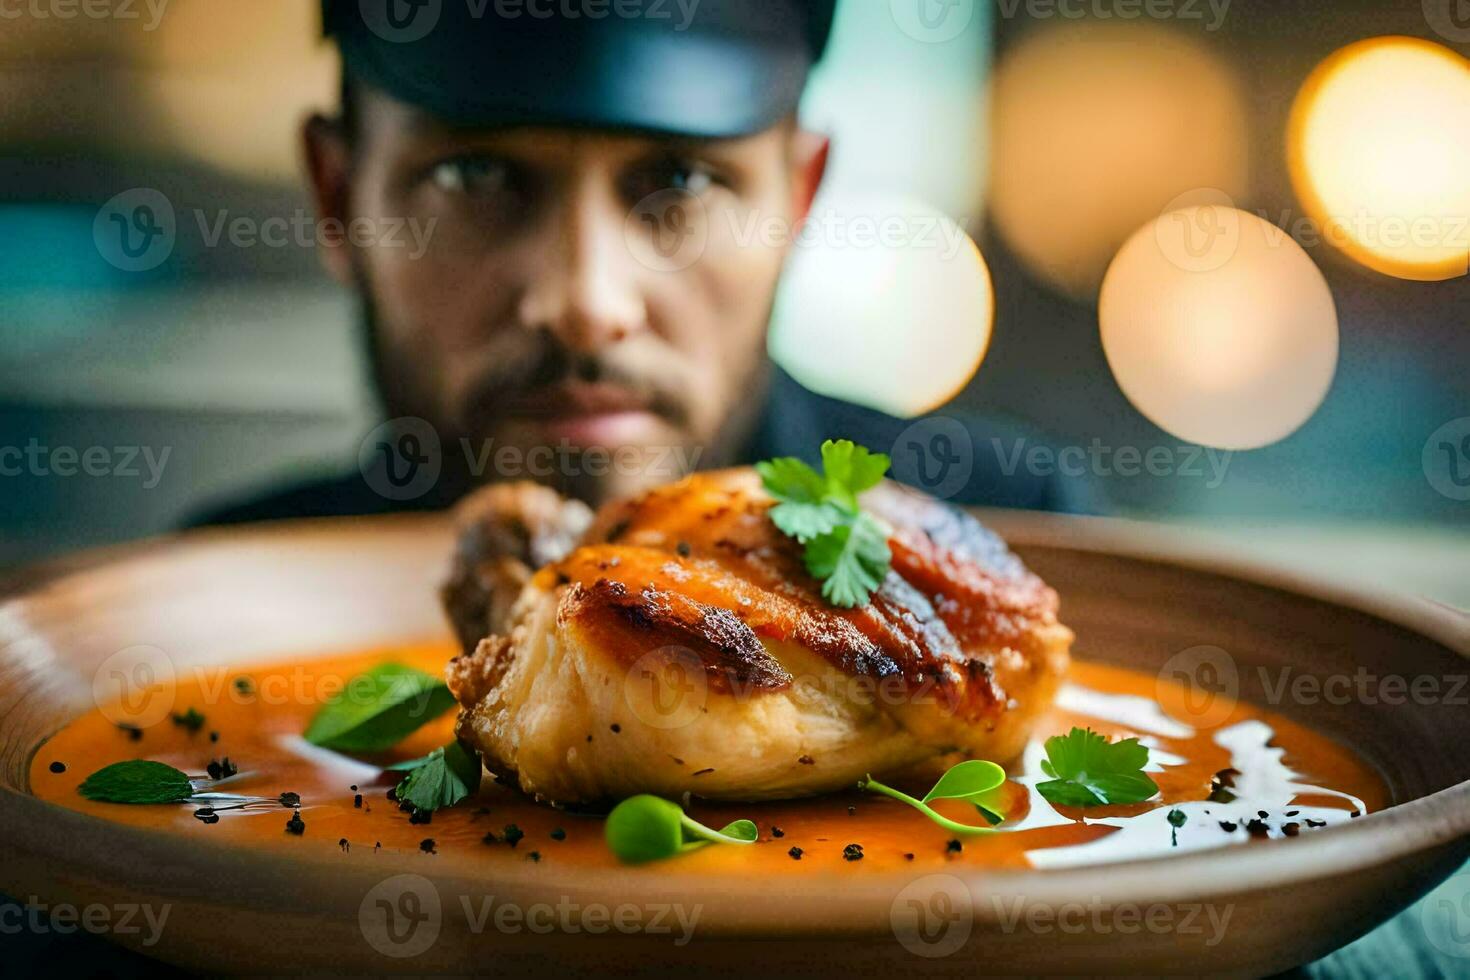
[516, 367]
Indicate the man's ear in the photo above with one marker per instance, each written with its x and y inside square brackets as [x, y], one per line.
[808, 164]
[328, 167]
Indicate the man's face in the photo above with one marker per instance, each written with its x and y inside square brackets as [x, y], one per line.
[576, 291]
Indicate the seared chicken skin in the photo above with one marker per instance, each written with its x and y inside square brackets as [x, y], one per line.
[681, 646]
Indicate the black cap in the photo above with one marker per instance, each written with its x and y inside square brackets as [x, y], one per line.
[707, 68]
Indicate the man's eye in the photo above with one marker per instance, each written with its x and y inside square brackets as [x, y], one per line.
[689, 177]
[471, 175]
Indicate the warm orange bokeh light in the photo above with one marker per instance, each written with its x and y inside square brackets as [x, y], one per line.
[1379, 148]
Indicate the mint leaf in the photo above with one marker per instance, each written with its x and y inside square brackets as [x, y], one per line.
[440, 779]
[851, 560]
[850, 469]
[1088, 770]
[137, 781]
[378, 709]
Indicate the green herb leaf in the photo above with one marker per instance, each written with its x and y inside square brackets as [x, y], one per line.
[378, 709]
[845, 548]
[137, 781]
[440, 779]
[851, 560]
[1088, 770]
[650, 828]
[974, 781]
[850, 469]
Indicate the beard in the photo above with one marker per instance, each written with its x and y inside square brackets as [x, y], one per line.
[514, 377]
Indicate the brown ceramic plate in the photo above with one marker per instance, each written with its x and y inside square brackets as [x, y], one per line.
[1135, 595]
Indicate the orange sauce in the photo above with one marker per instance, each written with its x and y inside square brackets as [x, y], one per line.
[258, 725]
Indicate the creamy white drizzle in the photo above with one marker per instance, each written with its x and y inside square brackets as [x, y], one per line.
[1265, 784]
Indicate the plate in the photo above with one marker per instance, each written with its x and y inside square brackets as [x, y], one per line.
[1136, 595]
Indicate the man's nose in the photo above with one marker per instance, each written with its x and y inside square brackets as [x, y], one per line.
[587, 289]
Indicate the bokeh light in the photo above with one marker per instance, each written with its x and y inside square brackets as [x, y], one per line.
[886, 303]
[1379, 145]
[1095, 128]
[1218, 327]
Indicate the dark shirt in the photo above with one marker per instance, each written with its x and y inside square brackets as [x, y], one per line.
[952, 454]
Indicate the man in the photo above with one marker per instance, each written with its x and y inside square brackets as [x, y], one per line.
[561, 156]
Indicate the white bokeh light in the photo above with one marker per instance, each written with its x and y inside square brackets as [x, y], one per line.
[886, 303]
[1218, 327]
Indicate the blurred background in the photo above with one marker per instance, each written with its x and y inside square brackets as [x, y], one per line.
[1055, 133]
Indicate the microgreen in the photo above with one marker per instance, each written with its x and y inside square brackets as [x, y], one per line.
[1088, 770]
[974, 781]
[650, 828]
[378, 708]
[846, 548]
[440, 779]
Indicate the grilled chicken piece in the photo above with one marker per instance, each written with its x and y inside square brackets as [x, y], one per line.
[681, 646]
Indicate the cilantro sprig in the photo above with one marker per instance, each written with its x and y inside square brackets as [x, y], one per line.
[1088, 770]
[846, 548]
[974, 781]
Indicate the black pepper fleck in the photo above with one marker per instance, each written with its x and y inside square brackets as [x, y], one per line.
[777, 831]
[58, 767]
[421, 816]
[296, 825]
[513, 834]
[357, 801]
[795, 853]
[427, 845]
[290, 799]
[558, 834]
[851, 811]
[534, 856]
[852, 852]
[616, 728]
[807, 760]
[954, 847]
